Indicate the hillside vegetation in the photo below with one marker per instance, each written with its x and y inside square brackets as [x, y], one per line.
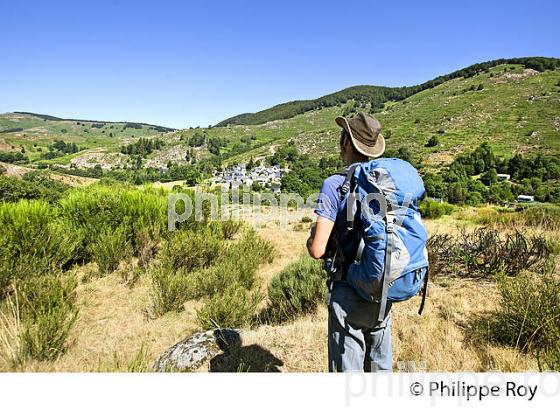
[93, 281]
[376, 96]
[33, 135]
[511, 104]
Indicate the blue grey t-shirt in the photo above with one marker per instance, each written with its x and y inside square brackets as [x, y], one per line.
[329, 203]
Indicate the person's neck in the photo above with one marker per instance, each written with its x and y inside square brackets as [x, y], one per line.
[352, 159]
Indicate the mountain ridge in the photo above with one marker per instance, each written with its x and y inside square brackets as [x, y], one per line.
[377, 95]
[54, 118]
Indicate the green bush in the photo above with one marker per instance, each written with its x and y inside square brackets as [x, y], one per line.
[432, 142]
[190, 250]
[433, 210]
[230, 228]
[48, 311]
[529, 315]
[34, 186]
[545, 217]
[237, 265]
[542, 216]
[234, 308]
[173, 279]
[34, 241]
[169, 290]
[109, 248]
[297, 290]
[97, 208]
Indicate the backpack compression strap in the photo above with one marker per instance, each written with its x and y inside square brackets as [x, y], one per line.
[386, 269]
[424, 291]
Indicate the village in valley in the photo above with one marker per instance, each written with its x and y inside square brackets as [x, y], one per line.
[259, 177]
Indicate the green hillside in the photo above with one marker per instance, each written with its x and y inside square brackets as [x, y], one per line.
[376, 96]
[33, 133]
[513, 107]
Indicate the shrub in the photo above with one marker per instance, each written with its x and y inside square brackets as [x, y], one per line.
[306, 219]
[234, 308]
[529, 315]
[189, 250]
[546, 217]
[98, 209]
[433, 210]
[230, 228]
[172, 275]
[483, 252]
[297, 290]
[169, 290]
[13, 189]
[109, 248]
[48, 310]
[34, 241]
[541, 216]
[433, 141]
[148, 245]
[237, 265]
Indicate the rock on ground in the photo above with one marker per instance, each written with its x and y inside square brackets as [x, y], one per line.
[190, 353]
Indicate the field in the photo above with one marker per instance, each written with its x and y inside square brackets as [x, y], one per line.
[119, 328]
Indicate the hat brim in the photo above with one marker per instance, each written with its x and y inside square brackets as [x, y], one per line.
[372, 151]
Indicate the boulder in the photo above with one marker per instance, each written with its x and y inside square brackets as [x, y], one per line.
[190, 353]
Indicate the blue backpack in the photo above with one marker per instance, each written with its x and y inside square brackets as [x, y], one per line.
[391, 260]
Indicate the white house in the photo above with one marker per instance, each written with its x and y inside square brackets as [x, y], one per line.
[525, 198]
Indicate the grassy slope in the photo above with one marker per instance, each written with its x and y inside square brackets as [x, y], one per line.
[513, 115]
[42, 132]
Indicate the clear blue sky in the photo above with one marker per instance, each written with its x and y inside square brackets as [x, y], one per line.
[183, 63]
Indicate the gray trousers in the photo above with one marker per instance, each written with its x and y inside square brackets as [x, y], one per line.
[356, 340]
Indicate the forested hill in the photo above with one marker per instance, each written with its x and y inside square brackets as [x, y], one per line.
[376, 96]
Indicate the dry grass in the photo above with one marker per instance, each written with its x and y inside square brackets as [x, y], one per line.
[114, 329]
[445, 337]
[10, 329]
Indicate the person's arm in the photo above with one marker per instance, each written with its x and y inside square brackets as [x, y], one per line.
[319, 237]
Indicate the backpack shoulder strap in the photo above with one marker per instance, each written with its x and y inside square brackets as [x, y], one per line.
[347, 184]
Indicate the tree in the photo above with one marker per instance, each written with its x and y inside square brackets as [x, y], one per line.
[479, 166]
[250, 164]
[500, 193]
[435, 185]
[433, 141]
[489, 177]
[457, 193]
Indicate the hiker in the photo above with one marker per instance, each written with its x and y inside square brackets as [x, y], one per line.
[360, 295]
